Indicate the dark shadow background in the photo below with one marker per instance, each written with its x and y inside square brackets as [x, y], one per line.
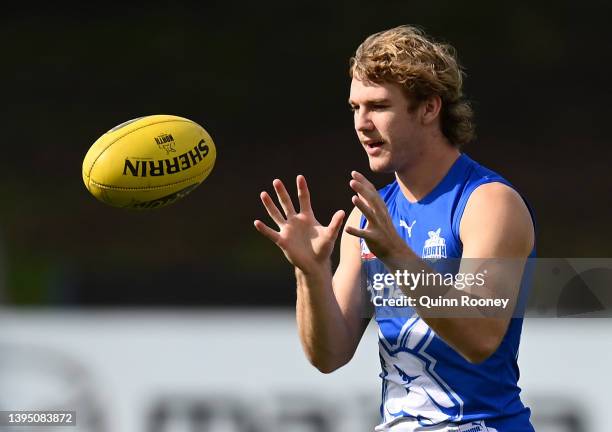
[269, 82]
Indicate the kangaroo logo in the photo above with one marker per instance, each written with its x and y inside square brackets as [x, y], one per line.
[365, 251]
[435, 246]
[411, 387]
[408, 227]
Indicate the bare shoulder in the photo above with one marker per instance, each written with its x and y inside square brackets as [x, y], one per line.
[493, 194]
[497, 222]
[349, 245]
[354, 218]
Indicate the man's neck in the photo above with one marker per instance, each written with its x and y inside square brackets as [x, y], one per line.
[419, 179]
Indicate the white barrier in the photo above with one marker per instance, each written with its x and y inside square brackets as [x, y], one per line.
[226, 371]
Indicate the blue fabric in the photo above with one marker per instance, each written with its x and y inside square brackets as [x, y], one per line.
[422, 377]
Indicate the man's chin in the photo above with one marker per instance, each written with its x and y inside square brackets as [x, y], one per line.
[380, 168]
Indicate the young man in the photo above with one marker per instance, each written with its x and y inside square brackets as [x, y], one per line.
[441, 371]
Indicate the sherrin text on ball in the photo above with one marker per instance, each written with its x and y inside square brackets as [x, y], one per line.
[149, 162]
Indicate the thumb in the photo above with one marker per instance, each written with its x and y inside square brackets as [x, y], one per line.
[335, 224]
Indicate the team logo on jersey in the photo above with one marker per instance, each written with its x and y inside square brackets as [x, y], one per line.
[435, 246]
[365, 251]
[411, 383]
[408, 227]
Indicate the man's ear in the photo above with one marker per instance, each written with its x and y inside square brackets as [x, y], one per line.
[430, 109]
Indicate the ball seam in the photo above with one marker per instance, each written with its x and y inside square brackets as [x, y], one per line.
[127, 133]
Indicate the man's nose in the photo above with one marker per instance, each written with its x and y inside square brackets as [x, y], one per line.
[363, 122]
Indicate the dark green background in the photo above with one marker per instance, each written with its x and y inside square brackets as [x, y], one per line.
[269, 82]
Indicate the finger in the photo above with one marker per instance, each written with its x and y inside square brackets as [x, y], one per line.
[283, 197]
[356, 232]
[266, 231]
[271, 208]
[366, 184]
[369, 194]
[366, 190]
[303, 194]
[361, 178]
[366, 195]
[362, 205]
[336, 223]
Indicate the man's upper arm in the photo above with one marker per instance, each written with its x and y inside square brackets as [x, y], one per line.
[347, 281]
[496, 224]
[498, 235]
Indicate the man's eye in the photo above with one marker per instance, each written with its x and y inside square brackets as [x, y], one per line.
[353, 108]
[379, 107]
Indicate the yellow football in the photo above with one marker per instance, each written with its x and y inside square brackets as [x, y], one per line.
[149, 162]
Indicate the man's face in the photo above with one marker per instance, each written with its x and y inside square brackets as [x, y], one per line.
[388, 131]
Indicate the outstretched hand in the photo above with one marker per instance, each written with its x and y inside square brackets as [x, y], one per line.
[305, 242]
[379, 233]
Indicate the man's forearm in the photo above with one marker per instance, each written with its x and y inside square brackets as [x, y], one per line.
[468, 331]
[323, 330]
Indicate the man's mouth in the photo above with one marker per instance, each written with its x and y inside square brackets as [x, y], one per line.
[373, 147]
[373, 143]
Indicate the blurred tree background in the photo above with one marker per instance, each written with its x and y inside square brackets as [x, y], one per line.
[269, 81]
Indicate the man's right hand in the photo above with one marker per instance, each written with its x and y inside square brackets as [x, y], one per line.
[305, 242]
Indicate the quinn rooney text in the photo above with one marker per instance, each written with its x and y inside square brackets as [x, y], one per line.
[431, 302]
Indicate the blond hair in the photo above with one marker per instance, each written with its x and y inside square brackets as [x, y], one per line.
[406, 56]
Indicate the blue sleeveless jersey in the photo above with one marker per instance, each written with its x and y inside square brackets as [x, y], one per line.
[424, 381]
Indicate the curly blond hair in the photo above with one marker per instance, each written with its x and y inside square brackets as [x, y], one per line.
[405, 55]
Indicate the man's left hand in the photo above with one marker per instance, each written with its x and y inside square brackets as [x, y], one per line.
[379, 233]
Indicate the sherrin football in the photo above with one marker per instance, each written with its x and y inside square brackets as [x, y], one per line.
[148, 162]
